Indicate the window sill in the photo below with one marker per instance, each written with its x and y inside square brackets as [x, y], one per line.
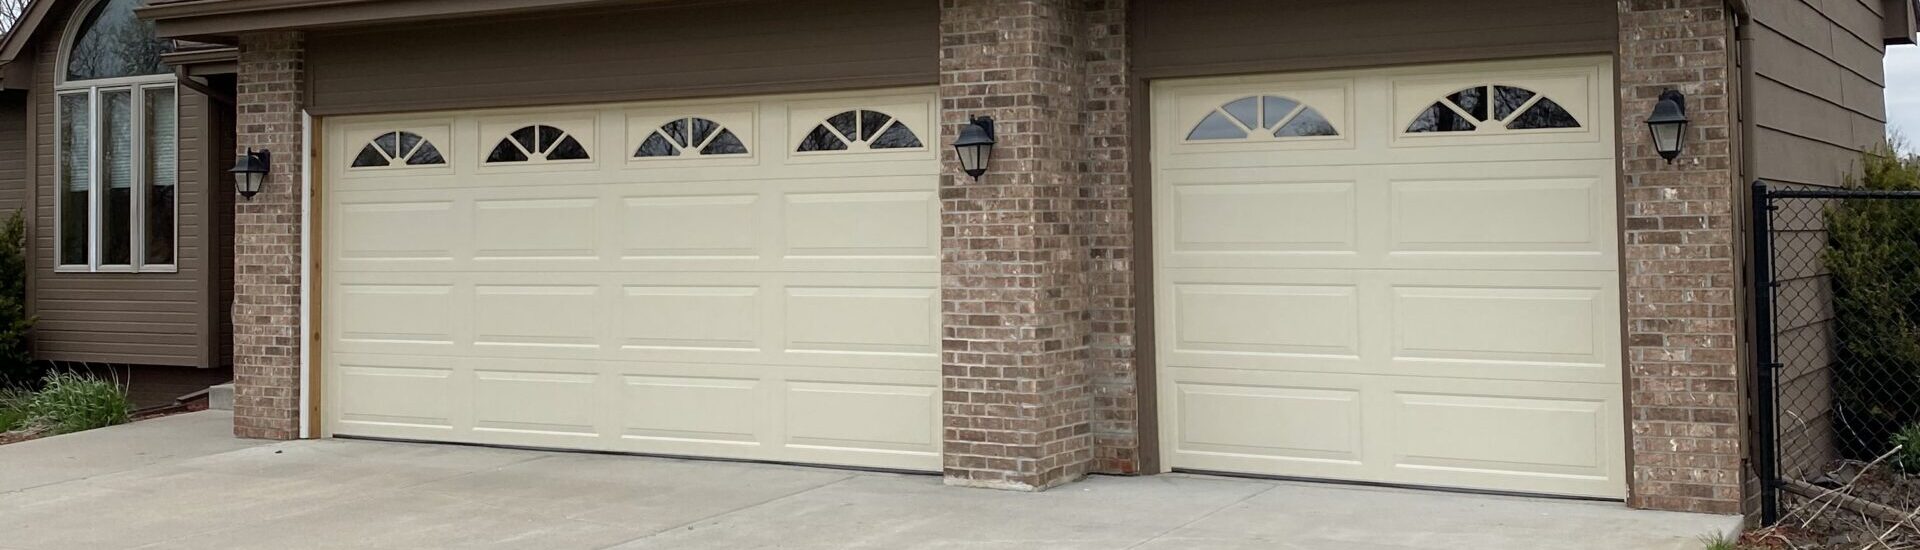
[116, 269]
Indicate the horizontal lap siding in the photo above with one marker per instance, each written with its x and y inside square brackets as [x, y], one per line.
[144, 318]
[13, 153]
[1205, 37]
[1818, 91]
[728, 48]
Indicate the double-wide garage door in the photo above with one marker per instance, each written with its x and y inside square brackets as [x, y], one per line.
[749, 278]
[1402, 276]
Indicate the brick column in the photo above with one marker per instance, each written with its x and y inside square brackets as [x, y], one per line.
[1014, 276]
[1681, 272]
[1105, 209]
[267, 255]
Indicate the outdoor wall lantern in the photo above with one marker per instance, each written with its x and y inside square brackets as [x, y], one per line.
[250, 171]
[975, 146]
[1669, 124]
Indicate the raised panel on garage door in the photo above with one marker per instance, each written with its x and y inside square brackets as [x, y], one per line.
[745, 278]
[1398, 275]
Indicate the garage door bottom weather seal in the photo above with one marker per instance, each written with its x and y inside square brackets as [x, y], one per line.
[1386, 485]
[644, 455]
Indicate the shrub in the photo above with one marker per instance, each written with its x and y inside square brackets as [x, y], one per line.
[1874, 255]
[1908, 459]
[16, 359]
[71, 402]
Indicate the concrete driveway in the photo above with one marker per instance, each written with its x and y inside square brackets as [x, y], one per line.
[188, 484]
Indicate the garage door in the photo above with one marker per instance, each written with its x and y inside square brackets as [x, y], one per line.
[1403, 276]
[747, 278]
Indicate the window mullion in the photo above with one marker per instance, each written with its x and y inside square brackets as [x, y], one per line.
[95, 219]
[136, 251]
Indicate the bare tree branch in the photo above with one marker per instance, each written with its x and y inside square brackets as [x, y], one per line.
[10, 13]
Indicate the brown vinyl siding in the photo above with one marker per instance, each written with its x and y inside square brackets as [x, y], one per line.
[1818, 90]
[710, 49]
[1211, 37]
[13, 153]
[1817, 100]
[128, 318]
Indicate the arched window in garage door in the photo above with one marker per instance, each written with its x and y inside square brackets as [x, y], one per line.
[537, 142]
[690, 136]
[1490, 106]
[1266, 116]
[398, 148]
[857, 130]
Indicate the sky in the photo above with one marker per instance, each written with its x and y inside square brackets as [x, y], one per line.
[1903, 93]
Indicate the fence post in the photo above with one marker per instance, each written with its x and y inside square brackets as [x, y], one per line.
[1766, 448]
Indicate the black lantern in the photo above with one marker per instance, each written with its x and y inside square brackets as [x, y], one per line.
[250, 171]
[975, 146]
[1669, 124]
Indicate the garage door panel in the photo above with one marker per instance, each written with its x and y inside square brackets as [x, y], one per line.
[862, 417]
[856, 225]
[667, 229]
[543, 228]
[1447, 291]
[550, 404]
[394, 396]
[398, 229]
[654, 409]
[537, 316]
[415, 317]
[1276, 217]
[1268, 319]
[692, 318]
[865, 320]
[1553, 436]
[658, 303]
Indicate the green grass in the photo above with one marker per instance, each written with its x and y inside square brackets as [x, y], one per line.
[1719, 541]
[72, 402]
[13, 409]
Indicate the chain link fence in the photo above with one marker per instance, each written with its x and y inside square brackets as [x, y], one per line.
[1837, 342]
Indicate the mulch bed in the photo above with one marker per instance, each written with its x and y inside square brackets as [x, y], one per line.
[1839, 528]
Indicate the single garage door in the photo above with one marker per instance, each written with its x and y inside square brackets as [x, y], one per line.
[750, 278]
[1404, 276]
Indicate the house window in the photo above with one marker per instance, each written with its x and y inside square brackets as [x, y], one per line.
[117, 145]
[1262, 117]
[859, 129]
[1492, 106]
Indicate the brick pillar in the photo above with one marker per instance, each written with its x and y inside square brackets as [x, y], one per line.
[1105, 210]
[267, 255]
[1681, 277]
[1014, 276]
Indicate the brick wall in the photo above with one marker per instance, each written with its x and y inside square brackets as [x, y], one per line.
[267, 255]
[1014, 275]
[1105, 211]
[1681, 278]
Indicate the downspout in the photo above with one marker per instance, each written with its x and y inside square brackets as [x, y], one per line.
[1762, 441]
[306, 276]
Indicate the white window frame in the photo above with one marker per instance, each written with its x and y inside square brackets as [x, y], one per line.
[137, 88]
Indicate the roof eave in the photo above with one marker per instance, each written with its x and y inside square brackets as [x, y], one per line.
[223, 21]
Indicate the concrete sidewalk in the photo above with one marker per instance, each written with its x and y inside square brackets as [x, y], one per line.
[198, 488]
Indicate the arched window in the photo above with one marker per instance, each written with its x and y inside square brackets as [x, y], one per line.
[118, 146]
[398, 149]
[690, 136]
[1486, 107]
[1267, 116]
[537, 142]
[857, 130]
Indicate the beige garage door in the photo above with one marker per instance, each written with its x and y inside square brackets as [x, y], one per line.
[1403, 276]
[749, 278]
